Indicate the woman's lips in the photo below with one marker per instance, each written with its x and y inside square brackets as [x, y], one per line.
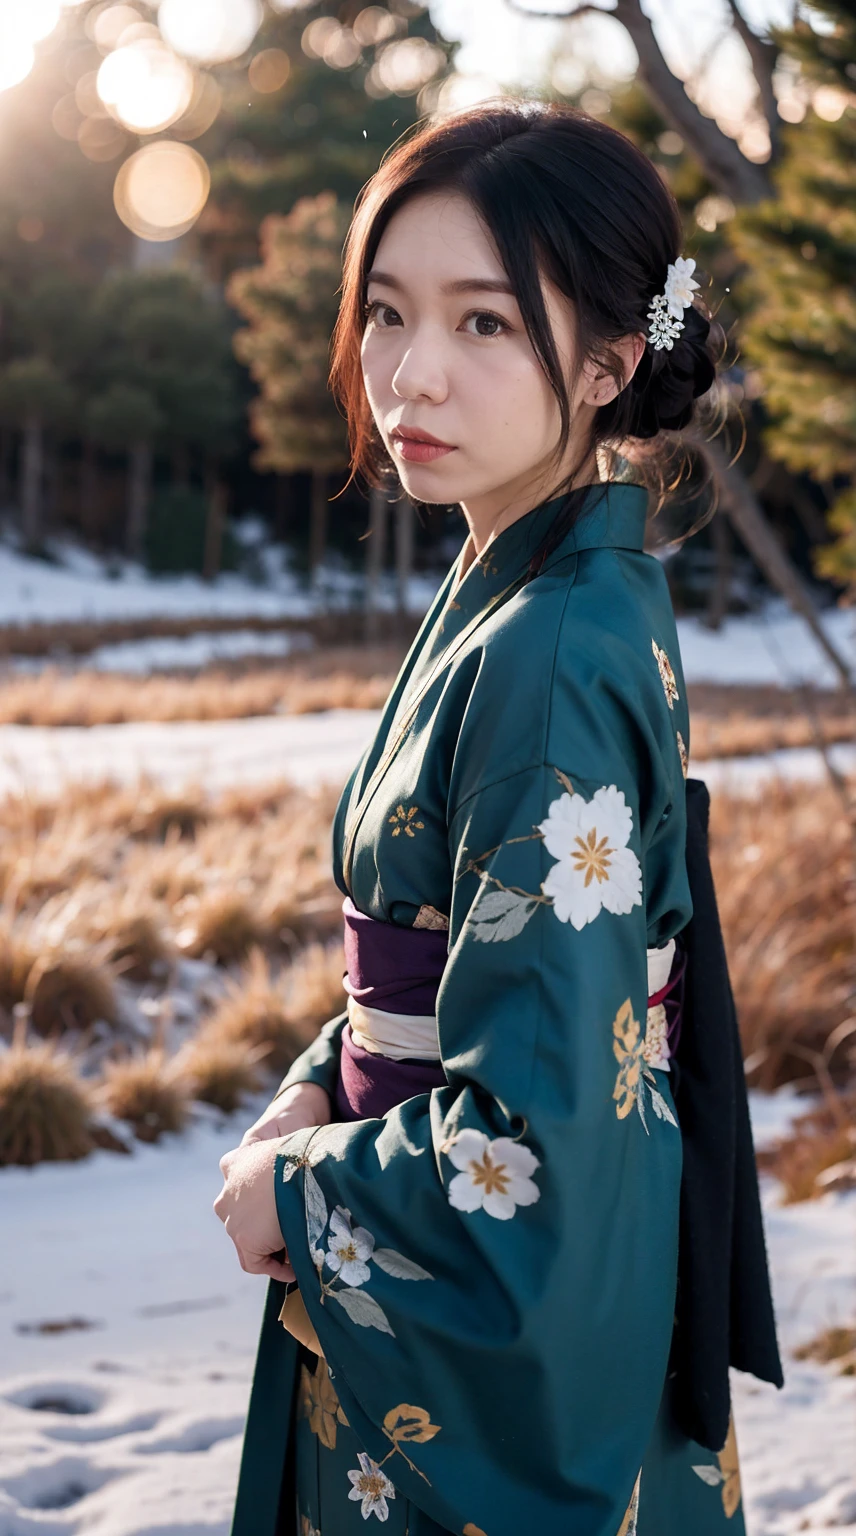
[418, 452]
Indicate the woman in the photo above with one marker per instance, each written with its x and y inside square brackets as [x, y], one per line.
[476, 1168]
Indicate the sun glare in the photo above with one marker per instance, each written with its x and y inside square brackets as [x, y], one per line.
[145, 85]
[210, 31]
[161, 190]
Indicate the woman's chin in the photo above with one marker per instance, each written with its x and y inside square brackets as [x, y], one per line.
[431, 482]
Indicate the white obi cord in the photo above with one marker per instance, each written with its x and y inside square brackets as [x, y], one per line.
[400, 1036]
[405, 1036]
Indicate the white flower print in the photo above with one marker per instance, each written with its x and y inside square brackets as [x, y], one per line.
[348, 1248]
[594, 867]
[494, 1174]
[372, 1487]
[656, 1048]
[680, 285]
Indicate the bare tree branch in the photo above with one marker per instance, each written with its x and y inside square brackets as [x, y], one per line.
[730, 171]
[763, 56]
[746, 516]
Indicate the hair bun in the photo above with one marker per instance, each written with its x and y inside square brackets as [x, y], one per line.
[667, 382]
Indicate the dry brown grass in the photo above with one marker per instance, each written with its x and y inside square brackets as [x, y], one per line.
[783, 865]
[69, 992]
[315, 987]
[123, 872]
[339, 628]
[818, 1152]
[337, 678]
[223, 926]
[17, 958]
[148, 1093]
[834, 1345]
[220, 1071]
[45, 1108]
[278, 1016]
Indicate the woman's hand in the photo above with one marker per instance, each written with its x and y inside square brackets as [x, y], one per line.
[247, 1207]
[301, 1105]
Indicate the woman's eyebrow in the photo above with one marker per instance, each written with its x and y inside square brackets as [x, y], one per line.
[459, 285]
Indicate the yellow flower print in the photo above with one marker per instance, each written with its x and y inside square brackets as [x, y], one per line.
[473, 1530]
[320, 1404]
[406, 1425]
[633, 1072]
[627, 1047]
[307, 1528]
[401, 818]
[666, 674]
[682, 753]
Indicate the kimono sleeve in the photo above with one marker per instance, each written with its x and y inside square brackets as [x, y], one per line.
[491, 1267]
[319, 1063]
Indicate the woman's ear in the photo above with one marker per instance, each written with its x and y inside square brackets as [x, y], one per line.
[600, 386]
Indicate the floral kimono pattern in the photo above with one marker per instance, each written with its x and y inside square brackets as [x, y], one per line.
[491, 1267]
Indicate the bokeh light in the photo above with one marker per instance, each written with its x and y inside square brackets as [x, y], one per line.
[269, 70]
[161, 190]
[145, 85]
[458, 92]
[203, 110]
[409, 63]
[100, 138]
[375, 25]
[17, 56]
[405, 67]
[108, 26]
[210, 31]
[38, 17]
[66, 117]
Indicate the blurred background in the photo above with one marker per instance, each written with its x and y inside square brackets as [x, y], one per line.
[200, 620]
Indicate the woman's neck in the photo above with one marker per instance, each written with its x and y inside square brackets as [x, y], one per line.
[486, 517]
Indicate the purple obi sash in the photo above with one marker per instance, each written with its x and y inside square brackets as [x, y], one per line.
[398, 970]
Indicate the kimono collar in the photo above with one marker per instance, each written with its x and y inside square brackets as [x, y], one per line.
[613, 514]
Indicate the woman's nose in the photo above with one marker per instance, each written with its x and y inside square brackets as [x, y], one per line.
[420, 374]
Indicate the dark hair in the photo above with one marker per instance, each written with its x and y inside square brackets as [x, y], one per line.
[564, 194]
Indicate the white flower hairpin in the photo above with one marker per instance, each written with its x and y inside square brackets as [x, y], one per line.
[667, 309]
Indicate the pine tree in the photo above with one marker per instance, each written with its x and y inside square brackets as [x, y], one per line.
[800, 254]
[291, 302]
[330, 86]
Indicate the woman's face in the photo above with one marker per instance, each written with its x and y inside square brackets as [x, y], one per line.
[445, 352]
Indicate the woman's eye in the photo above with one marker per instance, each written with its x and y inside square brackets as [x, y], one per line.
[487, 323]
[375, 308]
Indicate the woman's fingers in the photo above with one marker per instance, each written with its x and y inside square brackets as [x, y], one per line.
[265, 1264]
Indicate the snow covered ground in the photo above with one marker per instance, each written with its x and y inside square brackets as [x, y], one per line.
[304, 748]
[169, 653]
[80, 588]
[771, 646]
[127, 1420]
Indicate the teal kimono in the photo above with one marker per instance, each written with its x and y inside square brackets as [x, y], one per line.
[497, 1315]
